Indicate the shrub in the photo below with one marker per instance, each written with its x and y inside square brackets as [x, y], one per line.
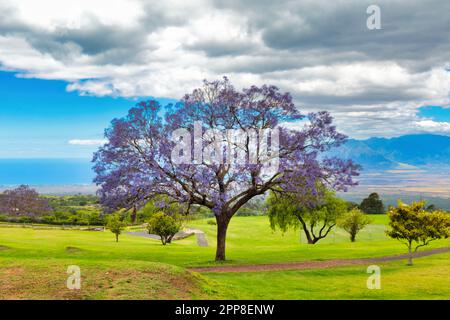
[115, 225]
[25, 219]
[48, 219]
[164, 226]
[353, 222]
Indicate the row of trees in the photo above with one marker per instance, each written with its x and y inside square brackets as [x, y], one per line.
[374, 205]
[414, 225]
[315, 213]
[24, 204]
[161, 224]
[23, 201]
[162, 217]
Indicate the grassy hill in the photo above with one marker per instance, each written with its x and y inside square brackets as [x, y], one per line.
[33, 264]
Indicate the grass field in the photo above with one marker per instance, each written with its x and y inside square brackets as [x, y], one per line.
[33, 265]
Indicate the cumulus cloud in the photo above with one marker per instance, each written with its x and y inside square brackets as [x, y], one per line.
[87, 142]
[434, 126]
[373, 82]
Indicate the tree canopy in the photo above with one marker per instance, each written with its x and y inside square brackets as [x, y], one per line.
[316, 216]
[23, 201]
[353, 222]
[115, 225]
[163, 225]
[218, 169]
[416, 227]
[372, 204]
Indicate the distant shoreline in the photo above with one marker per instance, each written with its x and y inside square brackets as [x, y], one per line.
[59, 190]
[65, 176]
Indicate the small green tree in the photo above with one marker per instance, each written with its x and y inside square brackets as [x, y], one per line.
[116, 225]
[164, 226]
[413, 224]
[286, 210]
[353, 222]
[372, 204]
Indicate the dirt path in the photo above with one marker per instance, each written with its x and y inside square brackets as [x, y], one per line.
[315, 264]
[200, 235]
[178, 235]
[201, 240]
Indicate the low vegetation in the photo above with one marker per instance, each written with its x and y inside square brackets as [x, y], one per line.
[39, 279]
[116, 225]
[164, 226]
[25, 205]
[353, 222]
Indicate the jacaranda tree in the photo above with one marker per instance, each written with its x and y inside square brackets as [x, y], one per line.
[23, 201]
[218, 148]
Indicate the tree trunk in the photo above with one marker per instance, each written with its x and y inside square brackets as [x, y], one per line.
[134, 215]
[307, 234]
[222, 226]
[117, 238]
[410, 256]
[352, 237]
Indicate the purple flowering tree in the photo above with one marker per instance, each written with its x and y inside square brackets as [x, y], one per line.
[23, 201]
[138, 161]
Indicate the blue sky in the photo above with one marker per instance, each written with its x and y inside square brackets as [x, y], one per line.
[436, 113]
[39, 118]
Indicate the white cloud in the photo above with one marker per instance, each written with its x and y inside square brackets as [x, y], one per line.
[434, 126]
[51, 14]
[372, 82]
[87, 142]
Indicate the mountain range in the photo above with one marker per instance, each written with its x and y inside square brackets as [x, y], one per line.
[408, 151]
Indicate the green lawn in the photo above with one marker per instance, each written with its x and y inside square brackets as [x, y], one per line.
[41, 253]
[429, 278]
